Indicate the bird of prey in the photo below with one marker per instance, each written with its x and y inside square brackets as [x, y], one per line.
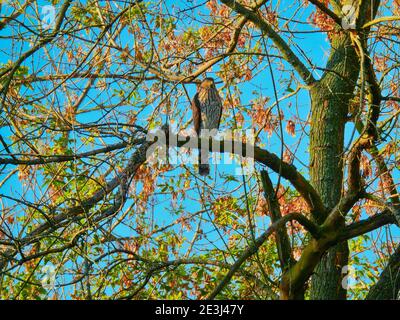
[207, 110]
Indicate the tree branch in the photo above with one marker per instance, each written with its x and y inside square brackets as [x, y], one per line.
[284, 48]
[327, 11]
[309, 225]
[282, 239]
[364, 226]
[287, 171]
[388, 285]
[379, 20]
[42, 43]
[71, 213]
[42, 159]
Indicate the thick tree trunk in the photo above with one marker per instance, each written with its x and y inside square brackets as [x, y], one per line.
[329, 106]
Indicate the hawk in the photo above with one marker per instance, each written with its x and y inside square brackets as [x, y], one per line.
[207, 110]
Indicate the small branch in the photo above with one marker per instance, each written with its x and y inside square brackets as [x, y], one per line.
[392, 207]
[73, 213]
[47, 39]
[284, 48]
[379, 20]
[385, 174]
[14, 15]
[42, 159]
[327, 11]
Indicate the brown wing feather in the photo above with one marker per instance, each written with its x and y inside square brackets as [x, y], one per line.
[196, 113]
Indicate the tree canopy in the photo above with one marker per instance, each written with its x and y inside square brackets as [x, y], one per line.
[91, 210]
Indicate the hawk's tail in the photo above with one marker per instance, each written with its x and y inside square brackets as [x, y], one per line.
[204, 166]
[204, 169]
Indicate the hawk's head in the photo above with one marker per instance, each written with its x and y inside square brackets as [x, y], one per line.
[207, 83]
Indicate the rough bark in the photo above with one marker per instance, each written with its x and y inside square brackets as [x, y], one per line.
[388, 285]
[329, 107]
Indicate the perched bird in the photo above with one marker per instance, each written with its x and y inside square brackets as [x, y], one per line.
[207, 110]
